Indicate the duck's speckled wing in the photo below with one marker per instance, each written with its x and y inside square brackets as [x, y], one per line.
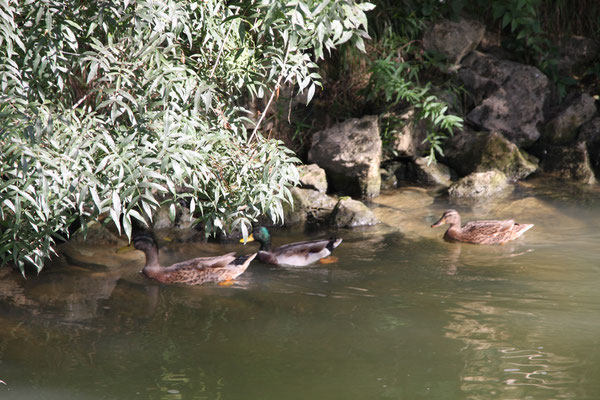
[199, 270]
[490, 232]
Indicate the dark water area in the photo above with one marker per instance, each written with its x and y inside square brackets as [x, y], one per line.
[401, 315]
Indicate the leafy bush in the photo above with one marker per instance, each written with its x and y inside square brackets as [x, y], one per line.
[112, 108]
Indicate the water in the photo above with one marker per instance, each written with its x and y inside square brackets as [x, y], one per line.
[401, 315]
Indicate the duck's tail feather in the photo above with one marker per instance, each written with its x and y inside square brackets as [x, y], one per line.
[241, 260]
[333, 243]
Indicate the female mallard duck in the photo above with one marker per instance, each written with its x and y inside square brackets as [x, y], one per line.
[294, 254]
[191, 272]
[480, 232]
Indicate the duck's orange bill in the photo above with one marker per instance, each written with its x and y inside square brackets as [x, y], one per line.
[249, 239]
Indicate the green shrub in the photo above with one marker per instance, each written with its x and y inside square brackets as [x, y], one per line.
[110, 108]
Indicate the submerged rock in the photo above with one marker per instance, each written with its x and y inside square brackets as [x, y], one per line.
[453, 40]
[510, 97]
[481, 151]
[349, 213]
[563, 128]
[479, 184]
[350, 153]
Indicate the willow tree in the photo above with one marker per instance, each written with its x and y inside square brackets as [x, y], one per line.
[116, 108]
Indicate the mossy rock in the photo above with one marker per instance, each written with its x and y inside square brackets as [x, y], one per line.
[349, 213]
[479, 184]
[309, 205]
[481, 151]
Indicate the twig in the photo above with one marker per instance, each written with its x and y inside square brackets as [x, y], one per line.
[81, 100]
[275, 90]
[221, 51]
[262, 116]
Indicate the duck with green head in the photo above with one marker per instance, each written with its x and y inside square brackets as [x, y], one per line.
[196, 271]
[294, 254]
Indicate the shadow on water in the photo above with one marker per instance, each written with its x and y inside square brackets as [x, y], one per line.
[401, 315]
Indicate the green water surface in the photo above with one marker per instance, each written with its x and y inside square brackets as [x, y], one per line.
[401, 315]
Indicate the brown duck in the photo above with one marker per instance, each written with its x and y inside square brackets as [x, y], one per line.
[480, 232]
[297, 254]
[191, 272]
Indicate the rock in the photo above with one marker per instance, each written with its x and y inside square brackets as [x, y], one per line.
[393, 172]
[309, 206]
[388, 179]
[590, 134]
[510, 96]
[433, 174]
[407, 135]
[313, 177]
[350, 153]
[481, 151]
[162, 219]
[98, 234]
[577, 110]
[572, 162]
[575, 53]
[479, 184]
[452, 39]
[349, 213]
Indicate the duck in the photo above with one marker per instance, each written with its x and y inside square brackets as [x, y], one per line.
[480, 232]
[298, 254]
[196, 271]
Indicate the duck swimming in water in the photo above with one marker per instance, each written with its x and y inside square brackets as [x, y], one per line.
[297, 254]
[480, 232]
[191, 272]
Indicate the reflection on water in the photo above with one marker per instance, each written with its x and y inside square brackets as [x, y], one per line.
[402, 315]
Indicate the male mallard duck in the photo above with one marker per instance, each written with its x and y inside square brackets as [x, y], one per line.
[480, 232]
[191, 272]
[294, 254]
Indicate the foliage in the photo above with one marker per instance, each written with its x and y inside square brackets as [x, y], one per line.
[389, 77]
[402, 65]
[114, 108]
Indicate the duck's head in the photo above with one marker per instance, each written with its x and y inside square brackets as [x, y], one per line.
[449, 217]
[261, 235]
[144, 241]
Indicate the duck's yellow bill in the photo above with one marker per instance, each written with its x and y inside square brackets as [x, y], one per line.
[126, 249]
[249, 239]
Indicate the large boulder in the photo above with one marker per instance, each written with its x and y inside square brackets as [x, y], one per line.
[481, 151]
[453, 39]
[563, 128]
[350, 153]
[568, 162]
[313, 177]
[479, 184]
[349, 213]
[510, 97]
